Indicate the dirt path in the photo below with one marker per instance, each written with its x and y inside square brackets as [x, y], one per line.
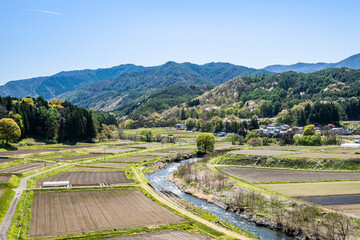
[185, 212]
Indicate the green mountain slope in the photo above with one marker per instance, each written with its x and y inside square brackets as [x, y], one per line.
[163, 99]
[55, 85]
[118, 94]
[268, 95]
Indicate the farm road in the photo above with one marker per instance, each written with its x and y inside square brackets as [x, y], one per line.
[6, 223]
[185, 212]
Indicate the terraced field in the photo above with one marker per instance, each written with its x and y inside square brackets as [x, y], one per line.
[23, 152]
[129, 159]
[166, 235]
[87, 178]
[271, 175]
[316, 188]
[76, 157]
[325, 155]
[76, 212]
[263, 152]
[24, 167]
[112, 164]
[3, 160]
[90, 169]
[4, 178]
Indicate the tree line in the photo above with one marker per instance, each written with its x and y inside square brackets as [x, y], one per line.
[55, 120]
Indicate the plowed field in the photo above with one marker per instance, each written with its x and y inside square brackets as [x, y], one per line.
[129, 159]
[263, 152]
[24, 167]
[272, 175]
[4, 178]
[76, 212]
[87, 178]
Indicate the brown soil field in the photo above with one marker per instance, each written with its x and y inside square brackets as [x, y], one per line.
[24, 167]
[129, 159]
[70, 147]
[48, 156]
[22, 152]
[87, 178]
[89, 169]
[285, 147]
[350, 209]
[155, 154]
[4, 178]
[176, 150]
[112, 164]
[263, 152]
[271, 175]
[112, 150]
[315, 189]
[3, 160]
[163, 235]
[75, 157]
[324, 155]
[77, 212]
[146, 145]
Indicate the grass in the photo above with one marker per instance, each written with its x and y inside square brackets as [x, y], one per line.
[5, 201]
[316, 189]
[12, 183]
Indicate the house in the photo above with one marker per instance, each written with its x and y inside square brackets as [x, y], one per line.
[180, 126]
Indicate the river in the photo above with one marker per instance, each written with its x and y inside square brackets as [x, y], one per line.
[160, 181]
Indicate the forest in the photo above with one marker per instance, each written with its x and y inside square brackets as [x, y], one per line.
[54, 120]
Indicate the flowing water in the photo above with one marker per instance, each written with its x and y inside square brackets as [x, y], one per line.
[160, 181]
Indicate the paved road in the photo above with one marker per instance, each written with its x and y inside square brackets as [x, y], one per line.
[6, 223]
[185, 212]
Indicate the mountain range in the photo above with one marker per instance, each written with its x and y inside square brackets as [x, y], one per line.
[352, 62]
[125, 89]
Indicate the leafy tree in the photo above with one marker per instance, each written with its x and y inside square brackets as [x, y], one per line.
[9, 130]
[205, 142]
[190, 123]
[255, 142]
[252, 134]
[309, 130]
[146, 135]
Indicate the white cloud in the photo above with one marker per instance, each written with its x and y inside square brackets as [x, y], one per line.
[42, 11]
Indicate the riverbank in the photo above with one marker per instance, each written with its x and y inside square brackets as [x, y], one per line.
[296, 219]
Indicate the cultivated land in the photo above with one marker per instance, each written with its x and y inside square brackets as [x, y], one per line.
[176, 150]
[325, 155]
[263, 152]
[316, 189]
[4, 178]
[4, 160]
[145, 145]
[111, 164]
[350, 209]
[286, 147]
[166, 235]
[87, 178]
[129, 159]
[23, 152]
[110, 150]
[76, 157]
[270, 175]
[76, 212]
[24, 167]
[155, 154]
[90, 169]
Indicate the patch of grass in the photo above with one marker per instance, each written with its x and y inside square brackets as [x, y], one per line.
[5, 201]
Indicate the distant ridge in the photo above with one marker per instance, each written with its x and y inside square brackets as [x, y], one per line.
[352, 62]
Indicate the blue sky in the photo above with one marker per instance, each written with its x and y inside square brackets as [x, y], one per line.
[42, 37]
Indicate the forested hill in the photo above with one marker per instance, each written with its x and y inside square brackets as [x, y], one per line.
[116, 94]
[53, 121]
[352, 62]
[271, 95]
[55, 85]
